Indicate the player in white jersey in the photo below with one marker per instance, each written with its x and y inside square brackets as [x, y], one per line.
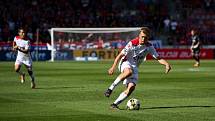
[129, 59]
[22, 45]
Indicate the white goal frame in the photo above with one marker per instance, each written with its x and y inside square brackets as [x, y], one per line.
[87, 30]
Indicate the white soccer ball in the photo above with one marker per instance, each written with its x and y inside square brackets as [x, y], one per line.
[133, 104]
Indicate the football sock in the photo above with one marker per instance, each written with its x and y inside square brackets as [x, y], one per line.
[121, 98]
[197, 59]
[31, 75]
[115, 83]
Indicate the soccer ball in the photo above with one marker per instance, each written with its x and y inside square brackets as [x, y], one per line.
[133, 104]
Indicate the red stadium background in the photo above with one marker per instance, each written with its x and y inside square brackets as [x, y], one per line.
[183, 54]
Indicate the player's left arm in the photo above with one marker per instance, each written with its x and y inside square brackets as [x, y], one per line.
[197, 45]
[24, 49]
[160, 60]
[165, 63]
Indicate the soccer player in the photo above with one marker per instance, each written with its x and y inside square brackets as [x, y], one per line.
[129, 59]
[195, 47]
[22, 45]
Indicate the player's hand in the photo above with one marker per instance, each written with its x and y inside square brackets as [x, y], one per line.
[15, 47]
[168, 68]
[195, 46]
[111, 71]
[191, 48]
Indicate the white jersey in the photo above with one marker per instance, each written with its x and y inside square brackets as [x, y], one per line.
[23, 57]
[135, 53]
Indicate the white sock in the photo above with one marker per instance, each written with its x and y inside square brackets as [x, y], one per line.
[115, 83]
[121, 98]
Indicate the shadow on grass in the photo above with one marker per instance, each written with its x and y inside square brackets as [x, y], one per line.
[172, 107]
[59, 87]
[169, 107]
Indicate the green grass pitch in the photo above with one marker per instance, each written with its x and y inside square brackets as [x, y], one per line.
[73, 91]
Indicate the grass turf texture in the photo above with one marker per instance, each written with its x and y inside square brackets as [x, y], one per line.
[73, 91]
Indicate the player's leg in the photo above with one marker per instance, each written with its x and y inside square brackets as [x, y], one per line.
[197, 58]
[31, 74]
[17, 68]
[130, 88]
[28, 65]
[127, 71]
[193, 56]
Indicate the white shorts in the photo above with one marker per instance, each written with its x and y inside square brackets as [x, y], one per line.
[134, 77]
[24, 60]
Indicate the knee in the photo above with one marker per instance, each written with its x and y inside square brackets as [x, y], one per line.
[128, 72]
[17, 69]
[128, 91]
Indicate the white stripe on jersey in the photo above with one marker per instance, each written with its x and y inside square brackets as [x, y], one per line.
[135, 54]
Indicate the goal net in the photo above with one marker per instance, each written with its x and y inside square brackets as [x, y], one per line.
[66, 43]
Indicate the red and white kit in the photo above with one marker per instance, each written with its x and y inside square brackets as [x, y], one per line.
[23, 58]
[134, 55]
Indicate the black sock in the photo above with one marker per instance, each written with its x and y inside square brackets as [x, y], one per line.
[31, 75]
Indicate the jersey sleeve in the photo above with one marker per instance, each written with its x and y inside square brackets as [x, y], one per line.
[153, 52]
[14, 39]
[27, 45]
[126, 49]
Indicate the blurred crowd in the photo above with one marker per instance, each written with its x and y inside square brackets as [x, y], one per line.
[169, 20]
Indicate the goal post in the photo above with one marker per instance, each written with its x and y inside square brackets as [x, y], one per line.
[86, 36]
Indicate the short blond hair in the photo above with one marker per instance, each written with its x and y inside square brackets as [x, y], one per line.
[145, 30]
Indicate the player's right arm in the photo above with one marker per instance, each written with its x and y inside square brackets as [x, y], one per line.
[123, 53]
[14, 44]
[116, 61]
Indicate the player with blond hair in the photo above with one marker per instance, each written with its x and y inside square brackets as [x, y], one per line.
[129, 59]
